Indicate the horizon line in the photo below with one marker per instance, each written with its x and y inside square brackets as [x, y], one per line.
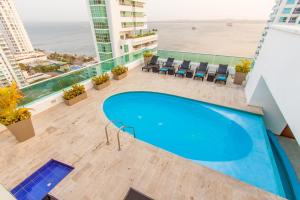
[177, 20]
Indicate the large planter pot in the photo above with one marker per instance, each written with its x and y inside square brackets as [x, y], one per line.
[76, 99]
[147, 60]
[22, 130]
[119, 77]
[239, 78]
[102, 86]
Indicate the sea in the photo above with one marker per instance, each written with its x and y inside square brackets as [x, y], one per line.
[236, 38]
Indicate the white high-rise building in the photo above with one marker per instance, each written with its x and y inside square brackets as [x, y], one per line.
[9, 68]
[288, 12]
[13, 29]
[120, 27]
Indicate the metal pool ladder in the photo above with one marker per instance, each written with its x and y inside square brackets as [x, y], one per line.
[118, 133]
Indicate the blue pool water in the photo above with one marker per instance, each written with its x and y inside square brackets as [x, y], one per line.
[227, 140]
[41, 182]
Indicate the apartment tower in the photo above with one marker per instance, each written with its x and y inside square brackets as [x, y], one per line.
[9, 68]
[13, 29]
[120, 27]
[289, 12]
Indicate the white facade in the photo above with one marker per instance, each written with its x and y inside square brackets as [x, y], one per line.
[288, 12]
[13, 30]
[9, 68]
[120, 27]
[274, 82]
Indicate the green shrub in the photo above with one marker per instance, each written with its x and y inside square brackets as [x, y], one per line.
[9, 111]
[118, 70]
[148, 54]
[244, 66]
[75, 91]
[98, 80]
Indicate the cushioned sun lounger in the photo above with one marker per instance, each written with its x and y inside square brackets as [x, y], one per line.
[167, 66]
[183, 68]
[222, 74]
[151, 64]
[201, 71]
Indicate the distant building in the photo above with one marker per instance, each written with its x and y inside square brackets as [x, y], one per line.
[288, 12]
[9, 68]
[15, 34]
[120, 27]
[13, 29]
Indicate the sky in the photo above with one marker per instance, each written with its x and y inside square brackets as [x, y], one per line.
[157, 10]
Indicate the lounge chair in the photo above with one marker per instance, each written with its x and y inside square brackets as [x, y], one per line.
[168, 66]
[153, 63]
[183, 68]
[222, 74]
[201, 71]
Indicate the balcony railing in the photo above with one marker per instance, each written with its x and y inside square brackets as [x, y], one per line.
[141, 35]
[200, 57]
[131, 3]
[57, 84]
[43, 89]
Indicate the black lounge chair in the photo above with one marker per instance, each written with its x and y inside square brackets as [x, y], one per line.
[153, 63]
[222, 74]
[183, 68]
[168, 66]
[201, 71]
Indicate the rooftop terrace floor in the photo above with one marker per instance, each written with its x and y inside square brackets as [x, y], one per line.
[75, 135]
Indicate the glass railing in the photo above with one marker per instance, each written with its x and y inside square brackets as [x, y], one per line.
[54, 85]
[200, 57]
[57, 84]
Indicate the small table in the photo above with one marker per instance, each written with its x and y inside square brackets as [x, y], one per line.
[211, 77]
[171, 71]
[189, 74]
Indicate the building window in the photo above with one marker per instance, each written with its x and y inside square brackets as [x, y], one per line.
[296, 11]
[282, 19]
[286, 10]
[290, 2]
[293, 20]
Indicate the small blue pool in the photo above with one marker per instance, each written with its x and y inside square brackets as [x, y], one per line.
[41, 182]
[227, 140]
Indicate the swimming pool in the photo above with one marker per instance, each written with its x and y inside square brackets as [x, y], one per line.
[227, 140]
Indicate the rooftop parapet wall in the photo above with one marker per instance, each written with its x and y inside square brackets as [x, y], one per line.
[278, 66]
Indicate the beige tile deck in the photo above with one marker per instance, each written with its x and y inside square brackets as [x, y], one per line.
[75, 135]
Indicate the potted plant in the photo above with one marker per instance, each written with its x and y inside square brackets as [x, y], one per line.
[17, 120]
[119, 72]
[75, 94]
[147, 57]
[101, 81]
[241, 71]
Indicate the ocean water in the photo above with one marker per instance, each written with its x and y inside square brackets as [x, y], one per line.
[213, 37]
[73, 38]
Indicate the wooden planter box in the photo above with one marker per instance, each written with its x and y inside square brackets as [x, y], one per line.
[119, 77]
[76, 99]
[239, 78]
[147, 60]
[22, 130]
[102, 86]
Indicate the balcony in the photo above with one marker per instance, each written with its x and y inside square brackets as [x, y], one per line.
[142, 39]
[138, 4]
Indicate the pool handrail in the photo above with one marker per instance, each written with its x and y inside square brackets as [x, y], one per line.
[118, 133]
